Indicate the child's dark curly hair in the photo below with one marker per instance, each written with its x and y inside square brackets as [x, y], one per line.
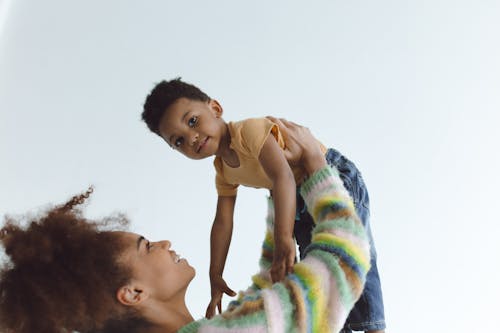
[163, 95]
[62, 272]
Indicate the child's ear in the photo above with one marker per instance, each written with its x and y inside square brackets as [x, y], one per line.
[216, 108]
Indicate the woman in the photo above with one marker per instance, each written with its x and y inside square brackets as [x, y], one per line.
[65, 274]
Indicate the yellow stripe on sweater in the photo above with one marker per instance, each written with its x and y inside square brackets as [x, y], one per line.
[315, 297]
[353, 250]
[327, 201]
[261, 282]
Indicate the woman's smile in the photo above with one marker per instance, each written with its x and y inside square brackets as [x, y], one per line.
[177, 258]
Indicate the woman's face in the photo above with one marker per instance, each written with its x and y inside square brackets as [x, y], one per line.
[156, 267]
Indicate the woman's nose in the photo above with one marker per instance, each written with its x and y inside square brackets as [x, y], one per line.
[165, 244]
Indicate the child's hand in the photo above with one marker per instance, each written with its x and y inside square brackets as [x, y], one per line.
[284, 258]
[218, 287]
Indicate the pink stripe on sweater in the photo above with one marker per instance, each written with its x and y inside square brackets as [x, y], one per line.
[320, 271]
[338, 317]
[337, 313]
[322, 188]
[274, 311]
[215, 329]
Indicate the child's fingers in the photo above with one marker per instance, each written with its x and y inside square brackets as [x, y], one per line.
[289, 266]
[210, 310]
[229, 291]
[290, 260]
[215, 303]
[278, 271]
[225, 289]
[277, 276]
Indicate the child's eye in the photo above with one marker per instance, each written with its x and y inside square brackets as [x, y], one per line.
[192, 121]
[178, 142]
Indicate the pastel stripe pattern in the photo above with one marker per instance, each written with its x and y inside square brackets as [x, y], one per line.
[274, 311]
[321, 291]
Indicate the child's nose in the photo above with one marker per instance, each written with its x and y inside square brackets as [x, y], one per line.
[194, 138]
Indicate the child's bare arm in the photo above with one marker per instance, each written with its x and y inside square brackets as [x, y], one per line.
[220, 238]
[276, 166]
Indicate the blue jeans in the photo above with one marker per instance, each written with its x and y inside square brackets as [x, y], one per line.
[368, 312]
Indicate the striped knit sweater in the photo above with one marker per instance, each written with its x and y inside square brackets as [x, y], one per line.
[319, 294]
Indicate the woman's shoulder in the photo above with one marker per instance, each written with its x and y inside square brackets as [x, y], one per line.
[230, 321]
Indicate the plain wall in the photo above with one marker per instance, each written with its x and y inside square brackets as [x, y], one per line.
[409, 90]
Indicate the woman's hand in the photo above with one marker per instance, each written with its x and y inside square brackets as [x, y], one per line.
[302, 149]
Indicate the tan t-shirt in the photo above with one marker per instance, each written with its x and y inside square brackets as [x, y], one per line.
[247, 138]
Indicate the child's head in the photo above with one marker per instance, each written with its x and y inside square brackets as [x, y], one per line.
[185, 117]
[165, 94]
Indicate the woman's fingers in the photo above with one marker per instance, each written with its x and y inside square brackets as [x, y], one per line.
[293, 150]
[281, 125]
[285, 122]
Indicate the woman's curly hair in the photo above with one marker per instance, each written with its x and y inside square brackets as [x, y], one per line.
[62, 272]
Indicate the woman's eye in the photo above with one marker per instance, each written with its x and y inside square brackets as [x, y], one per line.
[149, 245]
[178, 142]
[192, 121]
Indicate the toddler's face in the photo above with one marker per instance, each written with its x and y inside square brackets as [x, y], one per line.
[194, 128]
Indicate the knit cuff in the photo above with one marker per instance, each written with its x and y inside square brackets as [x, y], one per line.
[192, 327]
[317, 177]
[323, 180]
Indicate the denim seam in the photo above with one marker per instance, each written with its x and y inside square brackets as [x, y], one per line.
[370, 325]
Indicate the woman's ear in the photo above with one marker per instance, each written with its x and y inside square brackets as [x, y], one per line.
[130, 295]
[216, 108]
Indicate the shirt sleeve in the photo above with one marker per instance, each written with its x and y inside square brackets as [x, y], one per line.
[251, 134]
[223, 187]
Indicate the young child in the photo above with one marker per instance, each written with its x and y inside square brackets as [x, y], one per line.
[252, 153]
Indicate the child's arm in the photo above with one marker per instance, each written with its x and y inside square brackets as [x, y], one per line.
[275, 165]
[220, 238]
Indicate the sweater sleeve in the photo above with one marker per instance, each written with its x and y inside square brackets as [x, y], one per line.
[321, 291]
[332, 275]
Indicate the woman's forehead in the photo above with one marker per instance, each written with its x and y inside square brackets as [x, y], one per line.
[130, 242]
[128, 237]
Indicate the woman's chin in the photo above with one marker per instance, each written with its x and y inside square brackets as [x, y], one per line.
[193, 271]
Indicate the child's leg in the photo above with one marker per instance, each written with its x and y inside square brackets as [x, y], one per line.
[368, 312]
[303, 225]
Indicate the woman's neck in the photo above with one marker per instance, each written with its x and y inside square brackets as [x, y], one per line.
[167, 318]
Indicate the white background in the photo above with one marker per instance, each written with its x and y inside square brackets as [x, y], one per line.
[409, 90]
